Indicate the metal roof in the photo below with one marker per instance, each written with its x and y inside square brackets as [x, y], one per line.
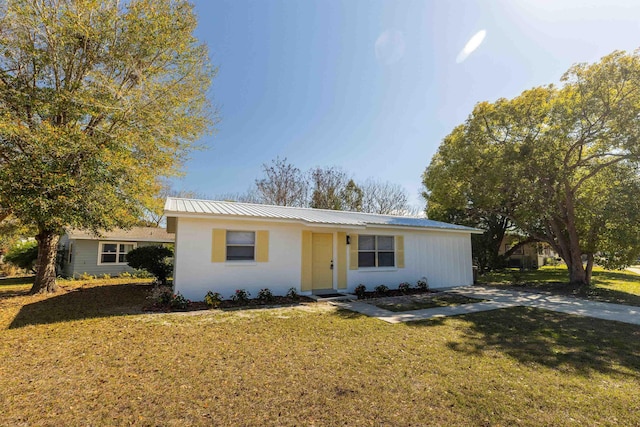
[134, 234]
[195, 207]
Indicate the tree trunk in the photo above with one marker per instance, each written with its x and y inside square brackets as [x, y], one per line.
[577, 273]
[46, 263]
[589, 267]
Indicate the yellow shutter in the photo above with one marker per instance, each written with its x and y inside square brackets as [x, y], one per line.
[342, 260]
[305, 276]
[262, 246]
[218, 245]
[400, 251]
[353, 251]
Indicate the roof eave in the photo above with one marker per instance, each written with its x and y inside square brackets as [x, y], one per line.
[121, 239]
[316, 224]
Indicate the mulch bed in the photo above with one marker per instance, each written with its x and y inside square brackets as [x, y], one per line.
[229, 305]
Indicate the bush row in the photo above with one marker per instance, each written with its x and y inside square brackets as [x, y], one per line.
[163, 297]
[243, 297]
[422, 285]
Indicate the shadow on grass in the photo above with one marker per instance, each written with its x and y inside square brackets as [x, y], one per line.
[593, 293]
[555, 281]
[12, 281]
[559, 341]
[84, 303]
[343, 313]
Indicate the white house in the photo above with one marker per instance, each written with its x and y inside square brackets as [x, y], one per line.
[224, 246]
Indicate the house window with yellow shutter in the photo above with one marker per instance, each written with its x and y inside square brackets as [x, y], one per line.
[376, 251]
[241, 246]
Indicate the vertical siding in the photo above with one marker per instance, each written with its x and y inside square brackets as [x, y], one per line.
[443, 258]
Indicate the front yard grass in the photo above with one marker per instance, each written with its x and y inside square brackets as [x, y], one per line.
[89, 357]
[419, 302]
[620, 287]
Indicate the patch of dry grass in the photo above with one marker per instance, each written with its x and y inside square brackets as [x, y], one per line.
[308, 365]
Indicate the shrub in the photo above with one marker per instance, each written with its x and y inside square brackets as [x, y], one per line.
[404, 287]
[141, 274]
[241, 296]
[154, 259]
[125, 275]
[161, 295]
[360, 290]
[178, 301]
[265, 295]
[23, 255]
[292, 293]
[105, 276]
[8, 270]
[423, 284]
[213, 299]
[382, 289]
[85, 276]
[164, 297]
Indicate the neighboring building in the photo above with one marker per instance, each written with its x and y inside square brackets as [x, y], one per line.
[530, 255]
[84, 252]
[224, 246]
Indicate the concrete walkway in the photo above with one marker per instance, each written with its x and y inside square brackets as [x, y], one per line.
[634, 269]
[502, 298]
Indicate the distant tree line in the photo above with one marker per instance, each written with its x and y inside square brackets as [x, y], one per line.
[284, 184]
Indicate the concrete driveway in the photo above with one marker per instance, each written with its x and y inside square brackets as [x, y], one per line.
[634, 269]
[502, 298]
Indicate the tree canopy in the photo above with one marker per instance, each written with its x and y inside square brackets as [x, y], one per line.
[558, 163]
[98, 101]
[284, 184]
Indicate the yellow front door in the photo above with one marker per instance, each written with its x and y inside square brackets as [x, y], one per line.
[321, 261]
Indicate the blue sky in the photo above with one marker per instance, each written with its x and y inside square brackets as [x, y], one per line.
[303, 79]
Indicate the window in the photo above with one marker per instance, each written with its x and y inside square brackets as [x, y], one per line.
[376, 251]
[114, 252]
[518, 251]
[70, 253]
[241, 245]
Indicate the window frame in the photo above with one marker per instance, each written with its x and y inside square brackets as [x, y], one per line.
[227, 245]
[377, 251]
[117, 252]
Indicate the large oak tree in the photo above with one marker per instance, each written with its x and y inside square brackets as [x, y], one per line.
[99, 99]
[559, 163]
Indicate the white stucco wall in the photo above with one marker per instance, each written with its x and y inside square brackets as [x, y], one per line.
[195, 274]
[443, 257]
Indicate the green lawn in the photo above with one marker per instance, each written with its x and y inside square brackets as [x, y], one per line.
[621, 287]
[89, 357]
